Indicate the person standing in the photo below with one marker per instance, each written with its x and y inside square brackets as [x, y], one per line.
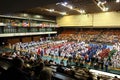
[106, 65]
[45, 74]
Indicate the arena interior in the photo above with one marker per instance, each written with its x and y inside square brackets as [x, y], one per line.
[60, 40]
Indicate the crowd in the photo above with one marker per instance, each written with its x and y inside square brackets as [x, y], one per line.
[103, 36]
[36, 71]
[24, 69]
[80, 49]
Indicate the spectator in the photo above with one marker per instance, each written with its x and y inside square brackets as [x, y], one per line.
[38, 69]
[98, 77]
[62, 62]
[45, 74]
[106, 65]
[15, 72]
[90, 78]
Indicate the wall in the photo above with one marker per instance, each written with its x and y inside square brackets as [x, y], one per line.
[26, 39]
[75, 20]
[36, 38]
[13, 40]
[106, 19]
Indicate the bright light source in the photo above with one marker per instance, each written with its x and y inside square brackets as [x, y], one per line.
[24, 15]
[64, 4]
[99, 3]
[37, 16]
[82, 11]
[117, 1]
[69, 6]
[104, 2]
[63, 13]
[105, 9]
[51, 10]
[57, 3]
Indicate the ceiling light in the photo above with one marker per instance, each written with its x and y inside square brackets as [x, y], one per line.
[37, 16]
[57, 3]
[64, 4]
[51, 10]
[105, 9]
[63, 13]
[117, 1]
[104, 2]
[69, 6]
[99, 3]
[24, 15]
[82, 11]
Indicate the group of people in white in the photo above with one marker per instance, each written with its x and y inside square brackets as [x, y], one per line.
[116, 57]
[65, 49]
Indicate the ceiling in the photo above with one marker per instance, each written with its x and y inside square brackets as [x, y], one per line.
[40, 6]
[12, 6]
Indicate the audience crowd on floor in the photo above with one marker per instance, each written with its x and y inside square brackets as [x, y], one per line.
[74, 49]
